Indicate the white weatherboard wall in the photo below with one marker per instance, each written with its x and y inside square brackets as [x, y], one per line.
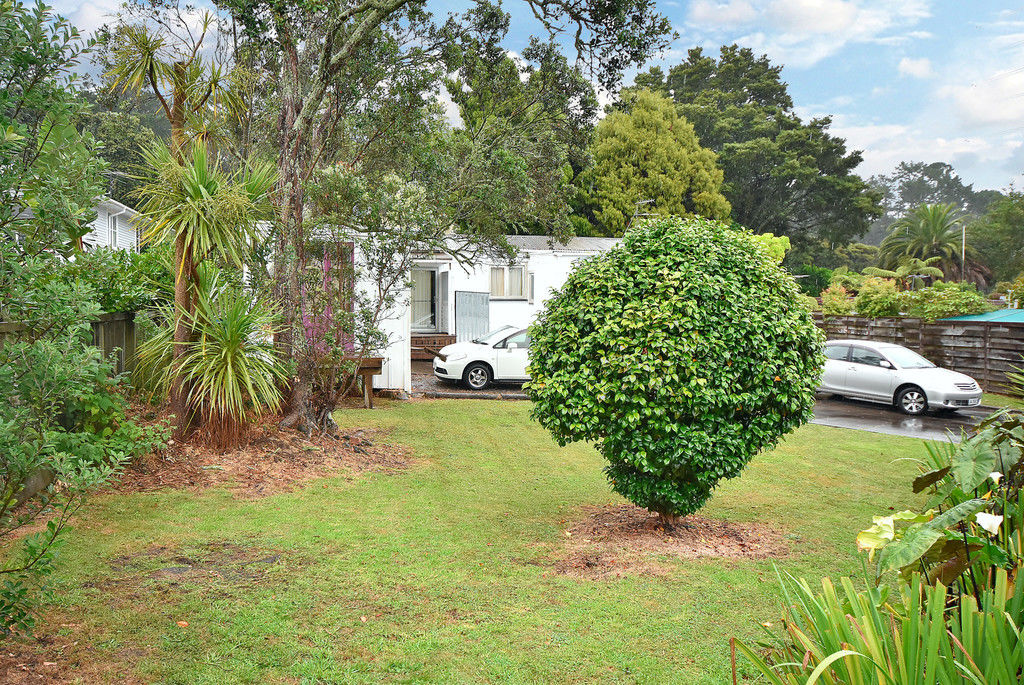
[126, 236]
[550, 268]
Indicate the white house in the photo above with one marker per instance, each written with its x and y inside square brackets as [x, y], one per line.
[449, 302]
[114, 226]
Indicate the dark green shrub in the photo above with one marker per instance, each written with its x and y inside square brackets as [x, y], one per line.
[812, 279]
[877, 297]
[63, 424]
[122, 281]
[681, 353]
[942, 300]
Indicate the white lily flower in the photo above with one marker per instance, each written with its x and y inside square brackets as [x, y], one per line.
[989, 522]
[996, 477]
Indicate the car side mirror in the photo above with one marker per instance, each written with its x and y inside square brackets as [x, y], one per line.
[512, 346]
[885, 365]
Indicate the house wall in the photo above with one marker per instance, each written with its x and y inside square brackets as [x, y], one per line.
[550, 269]
[127, 234]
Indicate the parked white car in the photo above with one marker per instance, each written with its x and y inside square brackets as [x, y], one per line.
[884, 372]
[501, 355]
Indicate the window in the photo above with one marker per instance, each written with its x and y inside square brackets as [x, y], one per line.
[532, 287]
[862, 355]
[836, 352]
[520, 340]
[509, 282]
[112, 230]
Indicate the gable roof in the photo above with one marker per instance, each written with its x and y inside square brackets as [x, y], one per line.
[549, 244]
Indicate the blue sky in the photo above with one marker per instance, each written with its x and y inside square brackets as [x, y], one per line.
[925, 80]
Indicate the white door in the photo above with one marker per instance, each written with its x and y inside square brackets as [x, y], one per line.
[511, 357]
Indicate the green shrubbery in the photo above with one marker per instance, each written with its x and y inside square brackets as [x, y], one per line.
[877, 297]
[63, 424]
[943, 300]
[121, 280]
[836, 301]
[681, 354]
[954, 605]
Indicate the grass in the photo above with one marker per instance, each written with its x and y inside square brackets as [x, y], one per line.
[442, 573]
[995, 400]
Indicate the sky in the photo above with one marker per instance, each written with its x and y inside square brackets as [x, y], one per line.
[903, 80]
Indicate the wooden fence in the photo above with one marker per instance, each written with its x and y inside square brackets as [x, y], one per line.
[113, 334]
[984, 350]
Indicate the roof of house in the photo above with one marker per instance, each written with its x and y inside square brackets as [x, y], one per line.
[1000, 315]
[111, 203]
[543, 242]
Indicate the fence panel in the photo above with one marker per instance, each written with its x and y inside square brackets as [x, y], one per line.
[113, 334]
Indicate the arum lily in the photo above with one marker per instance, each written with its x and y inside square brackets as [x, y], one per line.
[989, 522]
[996, 477]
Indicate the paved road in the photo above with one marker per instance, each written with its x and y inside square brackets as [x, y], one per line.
[879, 418]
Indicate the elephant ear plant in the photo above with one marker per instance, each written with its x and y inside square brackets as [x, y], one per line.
[954, 605]
[681, 353]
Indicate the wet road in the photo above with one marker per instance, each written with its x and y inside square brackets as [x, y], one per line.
[880, 418]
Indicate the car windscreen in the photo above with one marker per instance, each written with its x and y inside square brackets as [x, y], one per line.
[907, 359]
[494, 336]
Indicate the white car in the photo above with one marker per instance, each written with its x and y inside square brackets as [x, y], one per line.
[884, 372]
[501, 355]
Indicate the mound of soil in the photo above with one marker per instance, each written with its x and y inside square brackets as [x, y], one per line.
[272, 460]
[614, 541]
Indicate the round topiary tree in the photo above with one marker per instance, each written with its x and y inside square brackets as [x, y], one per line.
[682, 353]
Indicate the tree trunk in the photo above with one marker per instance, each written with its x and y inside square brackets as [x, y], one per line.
[183, 275]
[290, 253]
[668, 521]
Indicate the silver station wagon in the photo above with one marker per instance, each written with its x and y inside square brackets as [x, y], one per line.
[884, 372]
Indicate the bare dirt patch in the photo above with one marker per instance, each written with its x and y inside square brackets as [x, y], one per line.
[272, 460]
[55, 658]
[615, 541]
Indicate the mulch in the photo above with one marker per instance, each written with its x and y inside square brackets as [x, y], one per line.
[613, 541]
[271, 460]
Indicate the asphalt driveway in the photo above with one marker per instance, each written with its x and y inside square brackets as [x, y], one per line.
[828, 411]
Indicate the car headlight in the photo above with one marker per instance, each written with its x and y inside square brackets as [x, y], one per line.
[455, 357]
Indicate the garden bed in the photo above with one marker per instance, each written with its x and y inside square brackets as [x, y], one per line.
[270, 461]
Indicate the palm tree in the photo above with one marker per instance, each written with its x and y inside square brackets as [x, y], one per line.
[204, 211]
[911, 271]
[927, 231]
[932, 231]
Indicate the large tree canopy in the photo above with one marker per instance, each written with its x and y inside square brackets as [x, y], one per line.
[782, 175]
[998, 236]
[647, 160]
[912, 184]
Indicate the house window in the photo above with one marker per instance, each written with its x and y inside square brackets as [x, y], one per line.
[532, 287]
[112, 230]
[509, 282]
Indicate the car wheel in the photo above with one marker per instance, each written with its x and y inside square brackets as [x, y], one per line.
[477, 376]
[912, 401]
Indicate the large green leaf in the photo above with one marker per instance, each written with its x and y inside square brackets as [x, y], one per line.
[973, 461]
[926, 480]
[919, 538]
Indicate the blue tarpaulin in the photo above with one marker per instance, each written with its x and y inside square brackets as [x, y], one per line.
[1000, 315]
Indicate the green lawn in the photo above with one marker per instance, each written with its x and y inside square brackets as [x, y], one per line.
[449, 563]
[995, 400]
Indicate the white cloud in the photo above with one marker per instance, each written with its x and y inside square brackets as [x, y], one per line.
[803, 32]
[918, 68]
[732, 13]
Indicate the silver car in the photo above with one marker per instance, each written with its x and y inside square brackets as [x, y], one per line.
[884, 372]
